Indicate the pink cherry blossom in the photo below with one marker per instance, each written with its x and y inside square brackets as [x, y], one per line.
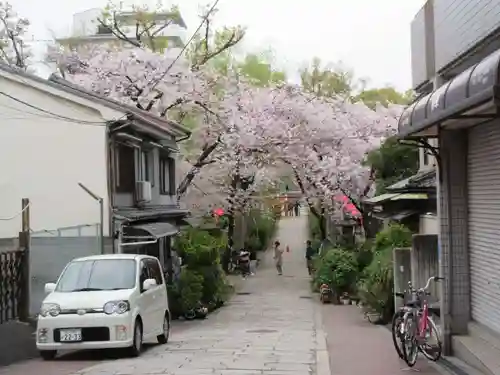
[240, 130]
[14, 50]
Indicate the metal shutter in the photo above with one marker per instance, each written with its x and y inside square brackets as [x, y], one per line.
[484, 223]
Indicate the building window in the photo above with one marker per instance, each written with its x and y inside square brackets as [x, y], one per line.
[124, 169]
[426, 157]
[144, 166]
[167, 176]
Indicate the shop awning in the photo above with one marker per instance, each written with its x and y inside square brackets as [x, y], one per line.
[157, 230]
[396, 216]
[380, 198]
[395, 197]
[470, 97]
[409, 196]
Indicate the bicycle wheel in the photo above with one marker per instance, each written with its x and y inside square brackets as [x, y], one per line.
[397, 330]
[410, 344]
[432, 347]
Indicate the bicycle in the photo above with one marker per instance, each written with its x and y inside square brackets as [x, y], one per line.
[418, 327]
[397, 327]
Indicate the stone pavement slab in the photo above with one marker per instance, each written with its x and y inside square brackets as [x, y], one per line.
[272, 327]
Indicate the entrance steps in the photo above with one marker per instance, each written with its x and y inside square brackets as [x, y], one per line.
[479, 349]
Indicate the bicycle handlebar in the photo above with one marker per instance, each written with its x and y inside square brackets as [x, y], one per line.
[428, 284]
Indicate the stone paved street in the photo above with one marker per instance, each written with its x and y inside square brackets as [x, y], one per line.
[275, 329]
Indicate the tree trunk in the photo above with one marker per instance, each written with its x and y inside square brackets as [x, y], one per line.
[200, 162]
[231, 222]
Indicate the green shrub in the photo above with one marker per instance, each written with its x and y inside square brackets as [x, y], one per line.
[190, 289]
[337, 268]
[376, 284]
[202, 278]
[395, 235]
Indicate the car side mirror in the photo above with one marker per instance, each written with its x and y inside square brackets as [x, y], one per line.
[149, 284]
[50, 287]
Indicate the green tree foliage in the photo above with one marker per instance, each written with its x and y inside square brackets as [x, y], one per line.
[329, 81]
[384, 96]
[392, 162]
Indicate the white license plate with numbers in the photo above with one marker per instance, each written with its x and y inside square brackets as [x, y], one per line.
[71, 335]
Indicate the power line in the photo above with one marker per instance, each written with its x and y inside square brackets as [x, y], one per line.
[56, 115]
[16, 215]
[204, 19]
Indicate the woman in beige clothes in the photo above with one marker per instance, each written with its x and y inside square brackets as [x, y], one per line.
[278, 257]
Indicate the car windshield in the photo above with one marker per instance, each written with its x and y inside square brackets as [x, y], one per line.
[98, 274]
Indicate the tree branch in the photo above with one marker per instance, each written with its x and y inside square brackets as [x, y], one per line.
[117, 32]
[200, 162]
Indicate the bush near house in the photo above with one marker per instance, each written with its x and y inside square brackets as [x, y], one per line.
[337, 268]
[376, 281]
[202, 279]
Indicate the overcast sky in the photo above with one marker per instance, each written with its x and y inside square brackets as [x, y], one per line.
[372, 37]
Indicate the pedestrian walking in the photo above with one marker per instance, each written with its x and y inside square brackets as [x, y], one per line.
[278, 257]
[253, 261]
[309, 256]
[297, 208]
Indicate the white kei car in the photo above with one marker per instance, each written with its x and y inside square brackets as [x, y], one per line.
[104, 301]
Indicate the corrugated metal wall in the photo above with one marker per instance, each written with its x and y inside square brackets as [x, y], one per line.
[484, 223]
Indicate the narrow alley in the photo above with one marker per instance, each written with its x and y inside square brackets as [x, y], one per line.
[273, 326]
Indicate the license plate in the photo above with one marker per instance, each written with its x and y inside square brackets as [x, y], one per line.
[70, 335]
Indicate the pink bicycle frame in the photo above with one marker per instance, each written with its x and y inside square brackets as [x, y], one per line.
[423, 319]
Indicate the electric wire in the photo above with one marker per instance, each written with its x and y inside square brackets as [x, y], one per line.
[16, 215]
[204, 19]
[55, 115]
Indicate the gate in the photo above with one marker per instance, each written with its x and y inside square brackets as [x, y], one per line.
[12, 263]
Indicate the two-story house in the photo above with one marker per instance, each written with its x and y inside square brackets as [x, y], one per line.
[456, 70]
[100, 175]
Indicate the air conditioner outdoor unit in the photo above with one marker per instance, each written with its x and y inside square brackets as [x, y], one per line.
[143, 191]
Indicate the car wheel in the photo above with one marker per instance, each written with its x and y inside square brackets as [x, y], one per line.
[48, 355]
[163, 338]
[136, 348]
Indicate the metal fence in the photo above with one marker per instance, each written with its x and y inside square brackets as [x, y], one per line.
[11, 283]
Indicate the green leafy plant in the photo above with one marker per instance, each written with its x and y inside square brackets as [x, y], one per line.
[190, 289]
[338, 268]
[376, 284]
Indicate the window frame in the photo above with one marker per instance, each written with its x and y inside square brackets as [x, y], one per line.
[124, 184]
[167, 186]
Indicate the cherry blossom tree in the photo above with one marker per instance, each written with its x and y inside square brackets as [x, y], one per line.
[324, 141]
[14, 50]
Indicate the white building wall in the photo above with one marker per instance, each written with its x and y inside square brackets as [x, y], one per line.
[430, 161]
[429, 224]
[85, 23]
[44, 158]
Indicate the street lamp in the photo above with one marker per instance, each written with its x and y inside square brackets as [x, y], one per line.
[101, 214]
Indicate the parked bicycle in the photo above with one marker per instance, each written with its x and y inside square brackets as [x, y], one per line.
[397, 327]
[418, 327]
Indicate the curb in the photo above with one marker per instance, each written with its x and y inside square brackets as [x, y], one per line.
[322, 355]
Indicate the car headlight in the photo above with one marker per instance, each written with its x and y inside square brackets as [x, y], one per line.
[116, 307]
[52, 309]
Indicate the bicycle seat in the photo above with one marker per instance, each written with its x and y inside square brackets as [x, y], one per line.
[413, 303]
